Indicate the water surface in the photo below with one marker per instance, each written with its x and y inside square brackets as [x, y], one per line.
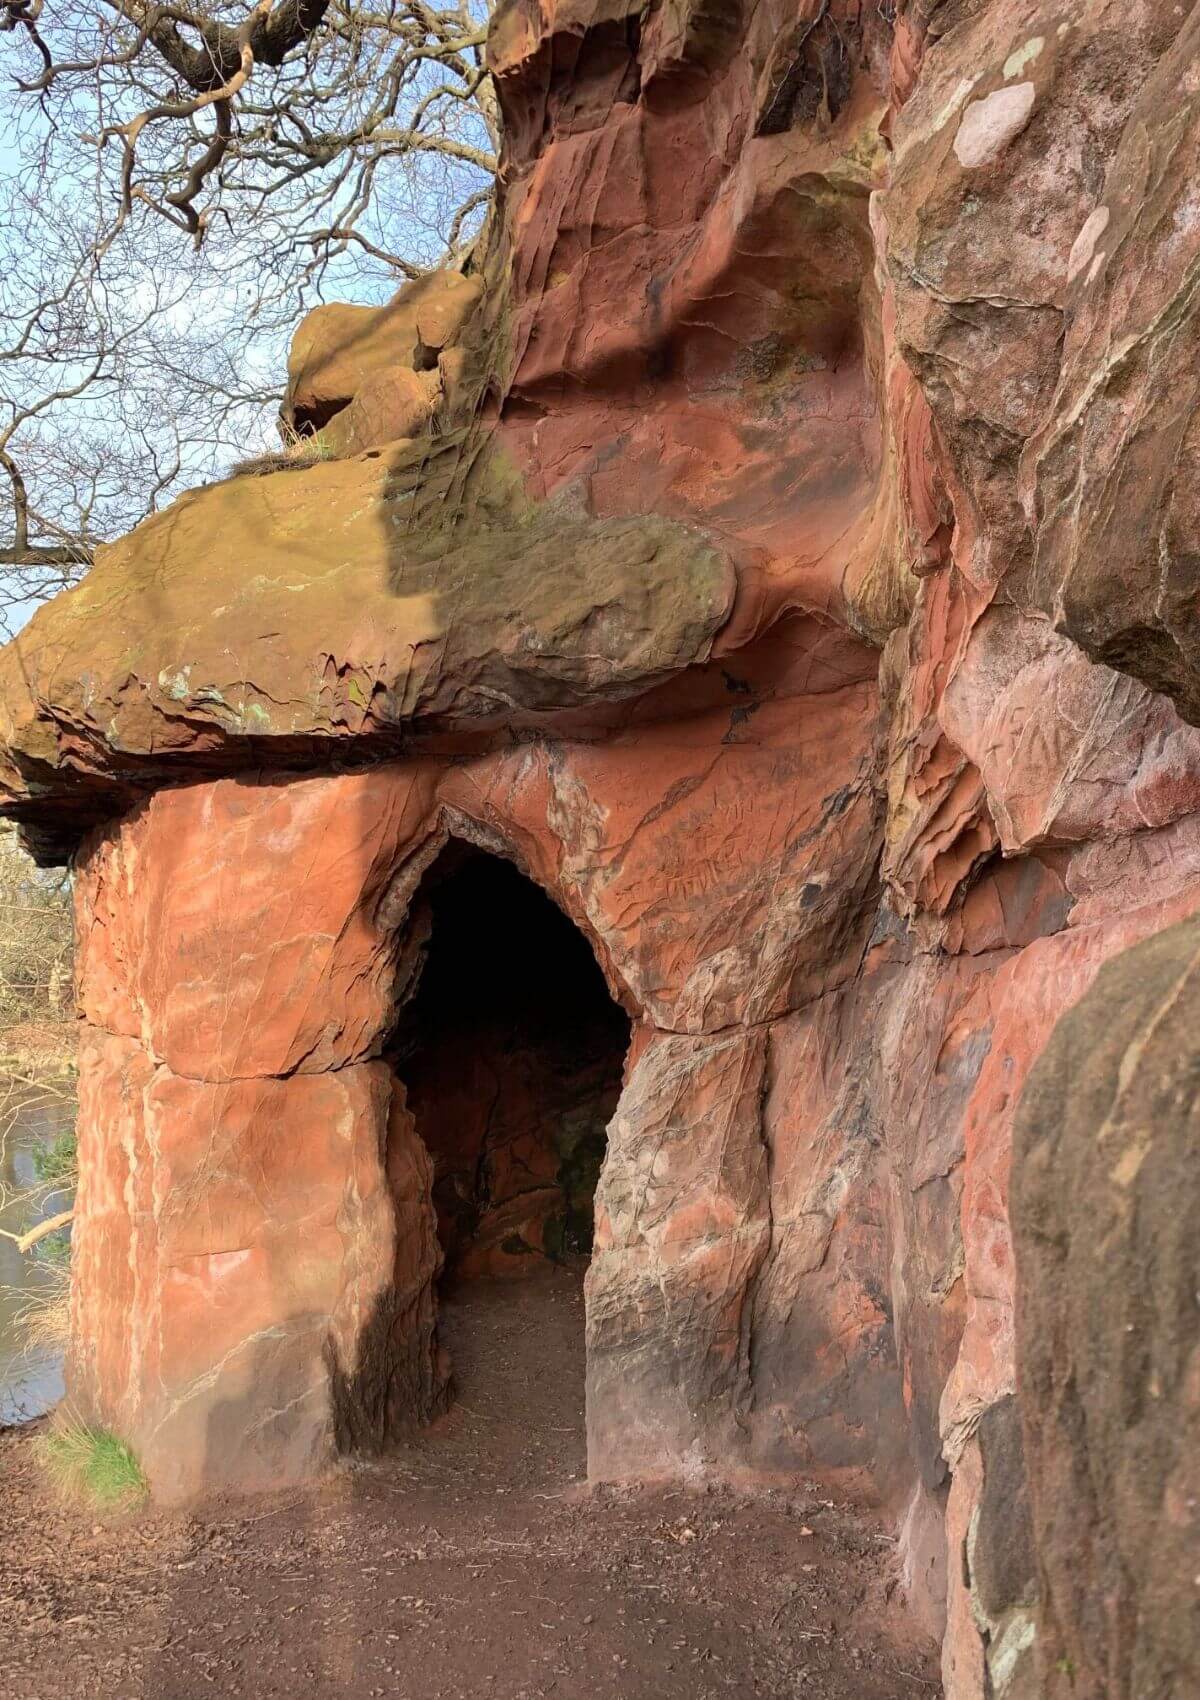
[30, 1378]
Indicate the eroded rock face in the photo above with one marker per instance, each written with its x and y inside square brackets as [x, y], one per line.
[1107, 477]
[779, 550]
[361, 376]
[1105, 1208]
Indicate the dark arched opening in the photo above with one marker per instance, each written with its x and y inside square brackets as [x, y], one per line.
[511, 1050]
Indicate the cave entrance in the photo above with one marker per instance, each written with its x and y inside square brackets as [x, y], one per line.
[511, 1050]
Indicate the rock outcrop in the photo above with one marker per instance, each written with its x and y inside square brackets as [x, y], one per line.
[1105, 1206]
[781, 548]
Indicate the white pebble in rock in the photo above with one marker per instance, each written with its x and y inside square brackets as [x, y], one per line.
[989, 125]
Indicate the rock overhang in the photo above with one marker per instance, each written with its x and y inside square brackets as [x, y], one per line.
[426, 559]
[306, 611]
[683, 471]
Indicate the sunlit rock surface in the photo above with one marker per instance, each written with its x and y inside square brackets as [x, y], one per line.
[781, 547]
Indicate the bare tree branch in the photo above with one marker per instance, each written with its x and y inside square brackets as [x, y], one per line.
[308, 148]
[33, 1236]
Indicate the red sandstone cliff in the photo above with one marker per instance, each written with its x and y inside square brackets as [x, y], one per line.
[784, 550]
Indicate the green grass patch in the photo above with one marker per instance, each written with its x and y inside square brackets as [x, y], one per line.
[91, 1464]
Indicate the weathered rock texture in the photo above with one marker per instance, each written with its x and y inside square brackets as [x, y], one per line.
[1106, 1205]
[781, 548]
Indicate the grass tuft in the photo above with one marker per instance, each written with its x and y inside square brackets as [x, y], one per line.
[42, 1317]
[90, 1464]
[296, 454]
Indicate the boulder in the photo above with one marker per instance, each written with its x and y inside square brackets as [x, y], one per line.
[359, 376]
[1105, 1200]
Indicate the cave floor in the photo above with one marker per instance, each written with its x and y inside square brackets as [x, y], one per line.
[472, 1563]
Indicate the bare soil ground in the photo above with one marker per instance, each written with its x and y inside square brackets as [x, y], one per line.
[473, 1563]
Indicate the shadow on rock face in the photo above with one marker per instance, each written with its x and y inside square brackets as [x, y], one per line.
[718, 552]
[399, 1381]
[1106, 1199]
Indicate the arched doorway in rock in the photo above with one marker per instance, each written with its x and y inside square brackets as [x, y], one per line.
[511, 1051]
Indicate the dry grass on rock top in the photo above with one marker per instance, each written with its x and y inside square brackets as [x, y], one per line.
[473, 1563]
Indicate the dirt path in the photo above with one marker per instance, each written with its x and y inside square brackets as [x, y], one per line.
[471, 1564]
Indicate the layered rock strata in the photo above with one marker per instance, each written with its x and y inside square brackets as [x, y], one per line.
[781, 548]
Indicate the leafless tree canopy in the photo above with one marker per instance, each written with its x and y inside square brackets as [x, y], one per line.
[179, 183]
[36, 939]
